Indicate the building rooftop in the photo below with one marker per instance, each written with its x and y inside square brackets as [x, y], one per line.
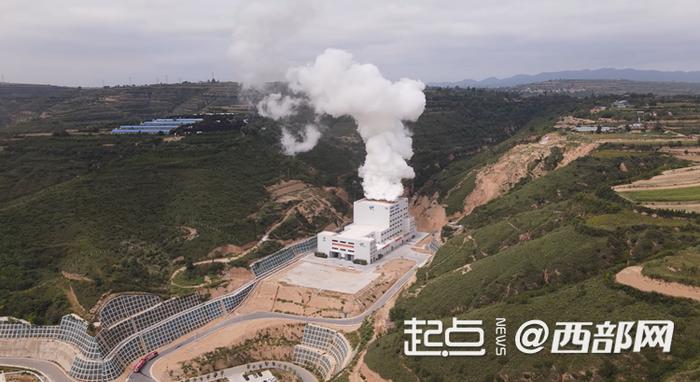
[357, 231]
[387, 202]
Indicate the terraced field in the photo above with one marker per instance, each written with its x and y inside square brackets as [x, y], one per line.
[677, 189]
[681, 194]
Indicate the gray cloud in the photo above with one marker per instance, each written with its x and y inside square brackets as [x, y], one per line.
[82, 42]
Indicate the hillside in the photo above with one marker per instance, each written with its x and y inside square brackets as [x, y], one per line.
[537, 230]
[93, 213]
[42, 108]
[547, 249]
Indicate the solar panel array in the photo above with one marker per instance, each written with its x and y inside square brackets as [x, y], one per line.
[434, 245]
[110, 337]
[123, 306]
[280, 258]
[323, 349]
[133, 325]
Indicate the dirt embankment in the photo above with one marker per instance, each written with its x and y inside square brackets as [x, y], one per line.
[318, 206]
[523, 160]
[496, 179]
[632, 276]
[686, 153]
[241, 343]
[670, 179]
[234, 278]
[429, 214]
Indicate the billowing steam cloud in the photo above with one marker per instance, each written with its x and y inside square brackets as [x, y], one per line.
[276, 106]
[280, 107]
[309, 139]
[335, 84]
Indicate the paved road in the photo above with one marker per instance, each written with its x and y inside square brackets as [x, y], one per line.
[49, 370]
[233, 320]
[55, 374]
[303, 374]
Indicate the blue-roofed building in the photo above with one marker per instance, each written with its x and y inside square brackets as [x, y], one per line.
[156, 126]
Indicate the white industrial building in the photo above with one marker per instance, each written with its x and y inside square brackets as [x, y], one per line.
[378, 228]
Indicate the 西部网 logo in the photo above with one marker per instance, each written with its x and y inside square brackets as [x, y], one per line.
[466, 338]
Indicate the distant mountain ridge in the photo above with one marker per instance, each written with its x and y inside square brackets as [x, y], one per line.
[587, 74]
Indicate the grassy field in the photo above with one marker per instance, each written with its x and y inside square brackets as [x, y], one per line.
[683, 267]
[685, 194]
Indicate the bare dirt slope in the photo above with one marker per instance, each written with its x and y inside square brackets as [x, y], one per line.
[429, 214]
[168, 367]
[520, 161]
[686, 153]
[309, 200]
[234, 277]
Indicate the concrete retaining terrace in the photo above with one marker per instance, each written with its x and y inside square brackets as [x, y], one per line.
[95, 359]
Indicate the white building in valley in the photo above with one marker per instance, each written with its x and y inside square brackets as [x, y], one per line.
[378, 228]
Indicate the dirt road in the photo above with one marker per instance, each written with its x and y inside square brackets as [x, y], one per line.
[632, 276]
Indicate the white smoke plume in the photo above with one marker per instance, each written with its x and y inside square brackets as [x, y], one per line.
[337, 85]
[276, 106]
[261, 28]
[309, 139]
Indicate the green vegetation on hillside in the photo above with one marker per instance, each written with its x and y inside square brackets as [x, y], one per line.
[683, 267]
[547, 250]
[40, 108]
[199, 274]
[596, 300]
[109, 211]
[111, 208]
[459, 123]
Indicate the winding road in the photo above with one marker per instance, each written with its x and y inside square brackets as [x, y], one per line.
[54, 372]
[49, 370]
[233, 320]
[633, 277]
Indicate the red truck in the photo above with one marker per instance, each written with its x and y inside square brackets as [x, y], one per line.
[140, 364]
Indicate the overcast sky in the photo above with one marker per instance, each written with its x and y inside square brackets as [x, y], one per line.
[80, 42]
